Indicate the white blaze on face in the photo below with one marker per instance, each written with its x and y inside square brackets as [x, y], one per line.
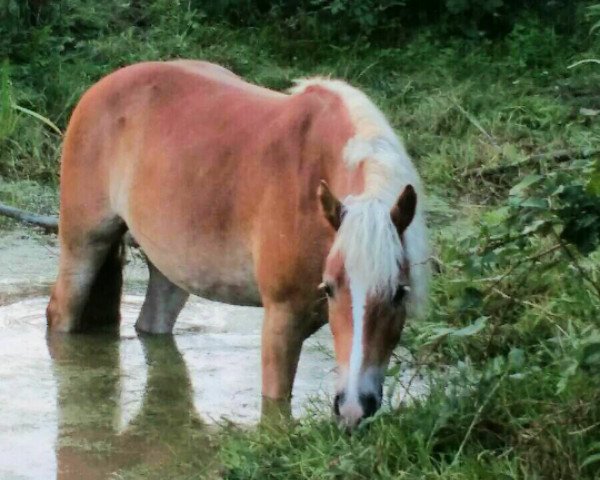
[358, 293]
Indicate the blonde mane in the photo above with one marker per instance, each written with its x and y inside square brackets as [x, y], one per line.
[367, 236]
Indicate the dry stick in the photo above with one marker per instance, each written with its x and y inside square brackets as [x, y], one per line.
[476, 123]
[476, 418]
[555, 156]
[493, 287]
[39, 117]
[495, 324]
[558, 156]
[531, 258]
[422, 363]
[585, 429]
[524, 302]
[586, 60]
[579, 268]
[48, 222]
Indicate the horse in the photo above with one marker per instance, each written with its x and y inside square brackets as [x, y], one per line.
[303, 202]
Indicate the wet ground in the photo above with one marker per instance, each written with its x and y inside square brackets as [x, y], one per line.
[95, 406]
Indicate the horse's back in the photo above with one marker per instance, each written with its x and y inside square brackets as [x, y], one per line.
[170, 80]
[158, 86]
[156, 112]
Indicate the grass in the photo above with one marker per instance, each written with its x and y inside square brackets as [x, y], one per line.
[512, 337]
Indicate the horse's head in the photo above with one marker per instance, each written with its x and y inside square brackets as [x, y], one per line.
[366, 280]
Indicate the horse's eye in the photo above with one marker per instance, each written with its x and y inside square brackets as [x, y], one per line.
[326, 288]
[401, 292]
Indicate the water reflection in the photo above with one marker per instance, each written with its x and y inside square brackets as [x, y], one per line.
[90, 406]
[90, 444]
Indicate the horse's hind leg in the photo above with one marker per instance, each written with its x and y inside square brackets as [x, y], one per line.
[164, 300]
[87, 293]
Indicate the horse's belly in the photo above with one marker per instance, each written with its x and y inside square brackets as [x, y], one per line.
[237, 287]
[222, 273]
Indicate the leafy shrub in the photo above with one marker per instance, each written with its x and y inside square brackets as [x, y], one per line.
[388, 21]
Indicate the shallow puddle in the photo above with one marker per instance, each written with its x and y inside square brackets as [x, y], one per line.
[94, 406]
[82, 406]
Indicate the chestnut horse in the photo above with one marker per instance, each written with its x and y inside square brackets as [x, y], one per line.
[247, 196]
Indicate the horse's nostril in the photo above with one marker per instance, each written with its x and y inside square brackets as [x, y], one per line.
[369, 403]
[339, 398]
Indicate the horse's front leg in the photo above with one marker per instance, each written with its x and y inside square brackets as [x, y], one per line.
[283, 333]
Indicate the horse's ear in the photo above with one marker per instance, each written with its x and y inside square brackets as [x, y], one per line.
[404, 211]
[331, 206]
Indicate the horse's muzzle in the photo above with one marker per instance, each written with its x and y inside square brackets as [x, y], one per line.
[350, 414]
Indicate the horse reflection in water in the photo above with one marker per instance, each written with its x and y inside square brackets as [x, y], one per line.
[88, 373]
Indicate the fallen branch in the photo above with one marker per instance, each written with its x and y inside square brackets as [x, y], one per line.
[476, 418]
[531, 258]
[571, 256]
[524, 302]
[48, 222]
[476, 124]
[39, 117]
[557, 156]
[581, 62]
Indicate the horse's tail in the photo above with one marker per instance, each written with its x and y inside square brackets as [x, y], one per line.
[102, 309]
